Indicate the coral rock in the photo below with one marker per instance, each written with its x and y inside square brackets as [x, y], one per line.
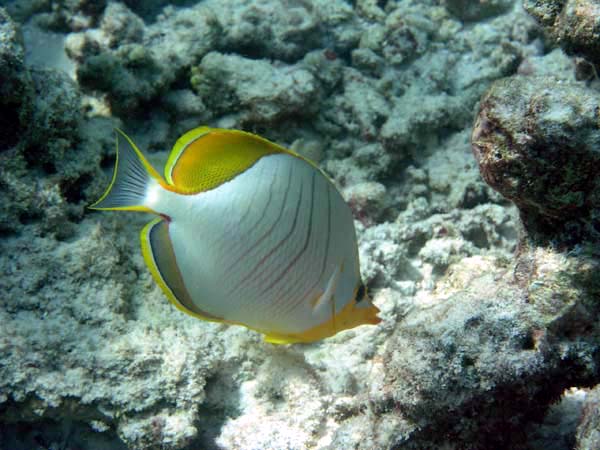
[588, 432]
[536, 143]
[15, 83]
[572, 24]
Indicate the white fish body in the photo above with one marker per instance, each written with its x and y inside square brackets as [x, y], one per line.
[249, 233]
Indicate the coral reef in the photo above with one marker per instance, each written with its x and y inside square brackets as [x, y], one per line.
[42, 132]
[257, 90]
[588, 432]
[477, 10]
[15, 84]
[572, 24]
[477, 341]
[133, 63]
[535, 140]
[524, 143]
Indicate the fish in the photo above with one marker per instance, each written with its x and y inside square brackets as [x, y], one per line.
[246, 233]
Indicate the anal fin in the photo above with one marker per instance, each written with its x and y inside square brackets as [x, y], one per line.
[159, 255]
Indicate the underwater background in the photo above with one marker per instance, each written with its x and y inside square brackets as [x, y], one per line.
[465, 136]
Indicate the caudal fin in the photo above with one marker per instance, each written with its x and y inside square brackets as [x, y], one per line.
[131, 178]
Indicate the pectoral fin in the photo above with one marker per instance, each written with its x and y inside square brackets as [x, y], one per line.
[326, 299]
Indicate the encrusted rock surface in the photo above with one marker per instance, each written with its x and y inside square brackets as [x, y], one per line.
[48, 155]
[470, 10]
[571, 24]
[536, 142]
[588, 432]
[256, 89]
[15, 84]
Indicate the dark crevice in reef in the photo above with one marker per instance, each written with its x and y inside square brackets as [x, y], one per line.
[74, 190]
[150, 9]
[9, 133]
[50, 434]
[213, 412]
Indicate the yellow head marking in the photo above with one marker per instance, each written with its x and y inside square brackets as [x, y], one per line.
[205, 158]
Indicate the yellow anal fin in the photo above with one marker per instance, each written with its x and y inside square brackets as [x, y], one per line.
[204, 158]
[279, 340]
[159, 255]
[348, 317]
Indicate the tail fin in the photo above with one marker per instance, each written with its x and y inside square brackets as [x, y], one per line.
[131, 178]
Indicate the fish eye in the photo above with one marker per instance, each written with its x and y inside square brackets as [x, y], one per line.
[361, 293]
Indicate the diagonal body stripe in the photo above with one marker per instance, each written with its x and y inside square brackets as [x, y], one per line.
[266, 234]
[300, 293]
[233, 224]
[294, 260]
[266, 304]
[270, 253]
[307, 270]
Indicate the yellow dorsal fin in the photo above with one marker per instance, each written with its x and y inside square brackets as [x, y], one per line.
[204, 158]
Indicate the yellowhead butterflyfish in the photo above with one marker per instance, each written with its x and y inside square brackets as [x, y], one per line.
[247, 233]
